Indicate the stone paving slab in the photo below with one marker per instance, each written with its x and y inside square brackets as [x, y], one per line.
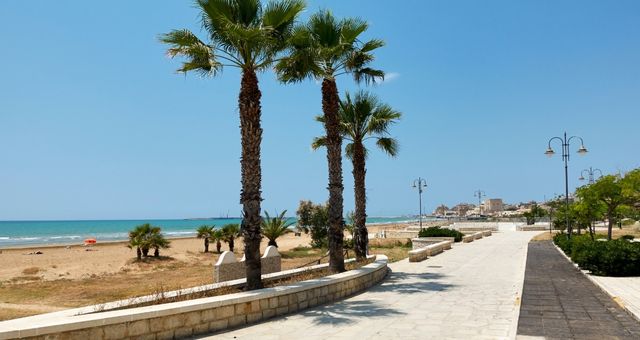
[469, 292]
[558, 301]
[624, 289]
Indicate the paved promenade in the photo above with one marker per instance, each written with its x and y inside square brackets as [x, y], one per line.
[469, 292]
[625, 289]
[560, 302]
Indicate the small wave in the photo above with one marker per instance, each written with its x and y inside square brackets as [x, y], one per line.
[5, 238]
[73, 237]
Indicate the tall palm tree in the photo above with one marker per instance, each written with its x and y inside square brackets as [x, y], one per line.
[241, 34]
[229, 233]
[272, 228]
[323, 49]
[205, 232]
[362, 118]
[157, 241]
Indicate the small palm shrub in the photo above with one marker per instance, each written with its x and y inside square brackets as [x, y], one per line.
[146, 237]
[229, 233]
[272, 228]
[441, 232]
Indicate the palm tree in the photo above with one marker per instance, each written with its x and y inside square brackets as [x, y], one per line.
[272, 228]
[362, 118]
[241, 34]
[138, 238]
[157, 241]
[205, 232]
[217, 236]
[323, 49]
[229, 234]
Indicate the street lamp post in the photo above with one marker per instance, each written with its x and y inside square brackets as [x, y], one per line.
[590, 172]
[419, 184]
[479, 194]
[565, 157]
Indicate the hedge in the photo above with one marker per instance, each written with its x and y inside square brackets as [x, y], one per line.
[609, 258]
[441, 232]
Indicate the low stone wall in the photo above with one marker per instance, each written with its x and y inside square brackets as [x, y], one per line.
[421, 242]
[477, 236]
[198, 316]
[533, 228]
[468, 238]
[228, 268]
[404, 234]
[486, 233]
[430, 250]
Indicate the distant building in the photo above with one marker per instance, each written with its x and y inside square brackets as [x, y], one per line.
[462, 208]
[493, 205]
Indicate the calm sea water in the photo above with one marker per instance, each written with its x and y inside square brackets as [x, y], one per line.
[23, 233]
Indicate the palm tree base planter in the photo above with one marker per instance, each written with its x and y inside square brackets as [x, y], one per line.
[179, 318]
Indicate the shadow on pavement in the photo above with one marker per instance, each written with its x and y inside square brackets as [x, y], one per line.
[346, 312]
[411, 283]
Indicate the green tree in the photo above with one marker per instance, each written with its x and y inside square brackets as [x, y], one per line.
[229, 233]
[205, 232]
[323, 49]
[534, 214]
[609, 190]
[245, 35]
[274, 227]
[314, 219]
[363, 118]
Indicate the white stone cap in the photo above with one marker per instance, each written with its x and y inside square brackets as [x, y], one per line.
[226, 257]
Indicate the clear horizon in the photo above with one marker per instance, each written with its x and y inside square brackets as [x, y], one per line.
[95, 124]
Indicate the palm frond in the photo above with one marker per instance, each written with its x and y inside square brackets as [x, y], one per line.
[200, 56]
[319, 142]
[388, 145]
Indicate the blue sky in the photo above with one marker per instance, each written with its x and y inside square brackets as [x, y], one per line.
[95, 123]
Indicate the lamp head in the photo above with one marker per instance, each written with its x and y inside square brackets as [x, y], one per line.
[581, 178]
[582, 150]
[549, 152]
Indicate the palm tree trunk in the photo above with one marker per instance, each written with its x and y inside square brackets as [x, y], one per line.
[360, 233]
[139, 253]
[334, 158]
[206, 245]
[218, 246]
[251, 134]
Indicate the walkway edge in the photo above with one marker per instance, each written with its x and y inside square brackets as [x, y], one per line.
[514, 324]
[617, 299]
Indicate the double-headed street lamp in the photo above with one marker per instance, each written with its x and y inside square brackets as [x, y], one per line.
[479, 194]
[590, 172]
[565, 157]
[420, 183]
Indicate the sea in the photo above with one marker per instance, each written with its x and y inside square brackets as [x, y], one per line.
[28, 233]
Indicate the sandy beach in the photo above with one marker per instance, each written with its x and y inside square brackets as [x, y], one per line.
[77, 261]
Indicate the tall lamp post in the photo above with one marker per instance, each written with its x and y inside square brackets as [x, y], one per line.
[420, 183]
[590, 172]
[479, 194]
[565, 157]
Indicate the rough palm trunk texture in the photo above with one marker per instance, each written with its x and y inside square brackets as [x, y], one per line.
[251, 133]
[361, 235]
[334, 158]
[206, 245]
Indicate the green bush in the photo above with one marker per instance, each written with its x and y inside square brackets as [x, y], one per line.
[608, 258]
[441, 232]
